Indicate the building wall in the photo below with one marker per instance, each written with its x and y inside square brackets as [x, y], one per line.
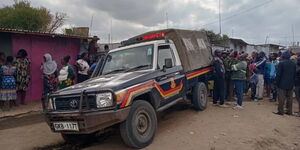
[36, 47]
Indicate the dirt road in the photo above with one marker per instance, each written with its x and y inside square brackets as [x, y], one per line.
[254, 128]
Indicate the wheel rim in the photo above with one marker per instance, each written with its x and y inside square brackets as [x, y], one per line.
[202, 96]
[143, 123]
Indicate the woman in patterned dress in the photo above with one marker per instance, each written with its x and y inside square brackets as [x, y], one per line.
[66, 74]
[8, 83]
[49, 69]
[23, 74]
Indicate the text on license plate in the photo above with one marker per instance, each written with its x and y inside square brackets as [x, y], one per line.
[65, 126]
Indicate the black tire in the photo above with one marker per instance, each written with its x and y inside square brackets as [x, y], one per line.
[77, 139]
[199, 99]
[139, 130]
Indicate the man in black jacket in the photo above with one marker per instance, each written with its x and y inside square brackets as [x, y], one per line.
[219, 79]
[297, 84]
[285, 80]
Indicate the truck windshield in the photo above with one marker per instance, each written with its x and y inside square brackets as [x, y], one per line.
[129, 60]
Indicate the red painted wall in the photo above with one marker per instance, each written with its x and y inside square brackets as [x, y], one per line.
[36, 47]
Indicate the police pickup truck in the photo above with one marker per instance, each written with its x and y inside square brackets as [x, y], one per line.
[147, 74]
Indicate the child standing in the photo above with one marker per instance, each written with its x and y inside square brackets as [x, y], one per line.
[8, 83]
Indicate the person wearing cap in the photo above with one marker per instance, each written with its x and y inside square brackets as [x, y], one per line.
[238, 77]
[285, 80]
[219, 78]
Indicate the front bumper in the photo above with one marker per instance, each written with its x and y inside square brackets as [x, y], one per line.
[88, 122]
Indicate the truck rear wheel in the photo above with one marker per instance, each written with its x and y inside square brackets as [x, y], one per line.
[199, 99]
[139, 129]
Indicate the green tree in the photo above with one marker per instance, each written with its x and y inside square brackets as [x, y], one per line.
[21, 15]
[217, 38]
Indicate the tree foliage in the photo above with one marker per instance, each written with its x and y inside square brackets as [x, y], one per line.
[21, 15]
[217, 38]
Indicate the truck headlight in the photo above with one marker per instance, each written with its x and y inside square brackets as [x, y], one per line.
[51, 104]
[104, 100]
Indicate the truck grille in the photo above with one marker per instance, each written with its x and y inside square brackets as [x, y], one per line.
[72, 103]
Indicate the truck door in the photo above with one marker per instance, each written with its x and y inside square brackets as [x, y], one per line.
[170, 79]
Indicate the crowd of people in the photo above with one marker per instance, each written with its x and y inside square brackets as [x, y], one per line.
[275, 77]
[15, 75]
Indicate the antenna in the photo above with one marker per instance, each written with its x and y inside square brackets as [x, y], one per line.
[266, 39]
[167, 20]
[111, 24]
[91, 25]
[293, 34]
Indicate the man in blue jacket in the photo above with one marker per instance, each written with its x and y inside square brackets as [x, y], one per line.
[285, 80]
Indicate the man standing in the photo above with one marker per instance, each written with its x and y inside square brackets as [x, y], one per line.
[219, 79]
[285, 80]
[238, 77]
[297, 84]
[260, 69]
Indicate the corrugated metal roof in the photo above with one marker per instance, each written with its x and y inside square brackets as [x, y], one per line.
[41, 33]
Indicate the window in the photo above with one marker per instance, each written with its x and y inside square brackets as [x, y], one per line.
[128, 59]
[164, 52]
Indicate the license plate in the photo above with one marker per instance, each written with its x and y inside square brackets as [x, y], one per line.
[65, 126]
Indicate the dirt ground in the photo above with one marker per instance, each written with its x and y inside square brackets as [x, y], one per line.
[179, 128]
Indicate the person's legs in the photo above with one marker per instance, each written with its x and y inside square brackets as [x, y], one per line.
[297, 93]
[226, 89]
[221, 91]
[239, 87]
[260, 86]
[21, 95]
[216, 91]
[268, 86]
[230, 90]
[281, 100]
[289, 102]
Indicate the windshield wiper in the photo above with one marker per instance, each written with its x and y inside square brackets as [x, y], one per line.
[137, 68]
[115, 71]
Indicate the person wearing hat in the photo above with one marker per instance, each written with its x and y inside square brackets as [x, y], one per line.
[219, 78]
[285, 80]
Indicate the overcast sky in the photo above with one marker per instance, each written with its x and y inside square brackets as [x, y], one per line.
[251, 20]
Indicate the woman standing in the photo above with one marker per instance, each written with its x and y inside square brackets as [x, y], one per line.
[23, 74]
[8, 83]
[66, 73]
[83, 68]
[49, 68]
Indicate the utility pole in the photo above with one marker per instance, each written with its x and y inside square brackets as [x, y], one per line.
[293, 35]
[111, 38]
[220, 24]
[91, 25]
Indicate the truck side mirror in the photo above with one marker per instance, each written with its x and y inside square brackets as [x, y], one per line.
[168, 63]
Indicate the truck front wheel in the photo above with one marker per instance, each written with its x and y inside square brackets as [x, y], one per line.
[139, 129]
[199, 99]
